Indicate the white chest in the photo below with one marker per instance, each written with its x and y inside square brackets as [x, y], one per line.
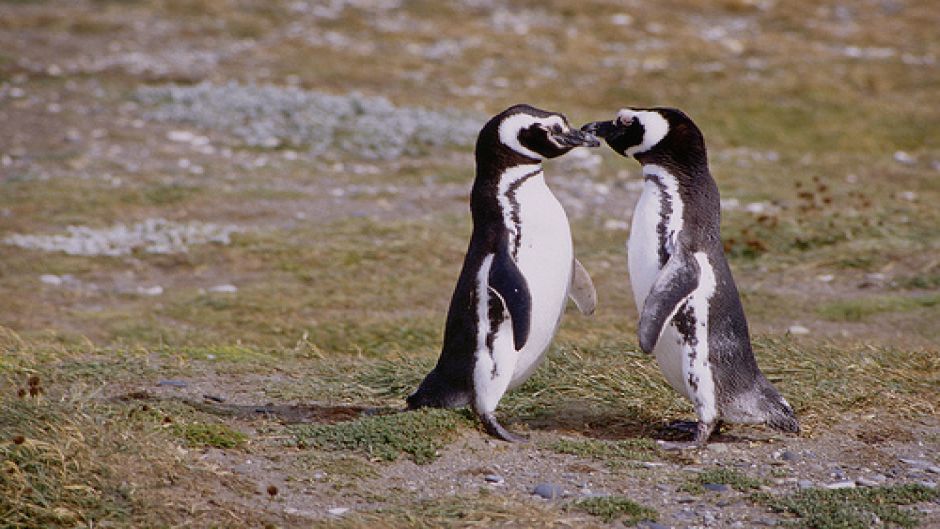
[541, 244]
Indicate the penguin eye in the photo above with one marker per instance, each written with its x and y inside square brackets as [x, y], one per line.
[626, 121]
[556, 129]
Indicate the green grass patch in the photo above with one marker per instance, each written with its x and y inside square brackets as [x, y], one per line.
[859, 309]
[852, 508]
[611, 508]
[419, 434]
[724, 476]
[630, 449]
[199, 435]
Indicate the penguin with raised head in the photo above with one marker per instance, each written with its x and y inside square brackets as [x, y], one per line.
[518, 271]
[691, 316]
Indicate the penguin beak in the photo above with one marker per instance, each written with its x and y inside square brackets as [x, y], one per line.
[576, 138]
[604, 129]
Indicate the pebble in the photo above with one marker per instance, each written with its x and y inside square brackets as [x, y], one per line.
[921, 464]
[905, 158]
[150, 291]
[797, 330]
[338, 511]
[50, 279]
[647, 524]
[718, 448]
[716, 487]
[845, 484]
[866, 482]
[173, 383]
[494, 478]
[789, 456]
[548, 491]
[928, 484]
[804, 484]
[224, 289]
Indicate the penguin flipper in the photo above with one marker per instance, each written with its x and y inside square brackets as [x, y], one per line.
[675, 282]
[582, 290]
[507, 281]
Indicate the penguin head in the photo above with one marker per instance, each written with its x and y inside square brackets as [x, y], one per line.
[648, 134]
[533, 135]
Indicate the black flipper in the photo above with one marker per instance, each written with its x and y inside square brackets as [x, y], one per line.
[675, 282]
[507, 281]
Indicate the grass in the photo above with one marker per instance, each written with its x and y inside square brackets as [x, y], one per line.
[419, 434]
[853, 508]
[615, 508]
[722, 476]
[861, 309]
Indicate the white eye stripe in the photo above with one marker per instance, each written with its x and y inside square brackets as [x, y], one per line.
[510, 128]
[655, 128]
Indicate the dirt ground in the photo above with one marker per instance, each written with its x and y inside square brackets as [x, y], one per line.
[229, 231]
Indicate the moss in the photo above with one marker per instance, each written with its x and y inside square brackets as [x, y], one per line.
[611, 508]
[419, 434]
[724, 476]
[210, 435]
[852, 508]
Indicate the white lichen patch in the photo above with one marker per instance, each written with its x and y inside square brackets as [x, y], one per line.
[158, 236]
[272, 117]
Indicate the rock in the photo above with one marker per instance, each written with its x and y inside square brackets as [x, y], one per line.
[224, 289]
[648, 524]
[718, 448]
[804, 484]
[797, 330]
[928, 484]
[825, 278]
[866, 482]
[790, 456]
[50, 279]
[905, 158]
[173, 383]
[494, 478]
[845, 484]
[548, 491]
[338, 511]
[716, 487]
[155, 290]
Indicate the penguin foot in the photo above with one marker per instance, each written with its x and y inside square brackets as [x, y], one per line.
[492, 427]
[703, 431]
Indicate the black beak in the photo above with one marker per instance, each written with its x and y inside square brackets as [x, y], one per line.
[604, 129]
[577, 138]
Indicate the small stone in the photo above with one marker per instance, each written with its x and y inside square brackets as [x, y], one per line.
[181, 136]
[797, 330]
[866, 482]
[648, 524]
[804, 484]
[548, 491]
[173, 383]
[845, 484]
[716, 487]
[150, 291]
[825, 278]
[338, 511]
[494, 478]
[50, 279]
[905, 158]
[224, 289]
[928, 484]
[718, 448]
[789, 456]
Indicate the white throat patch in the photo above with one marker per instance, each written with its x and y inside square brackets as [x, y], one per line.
[510, 127]
[655, 128]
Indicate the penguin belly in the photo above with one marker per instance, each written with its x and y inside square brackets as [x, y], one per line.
[643, 261]
[544, 256]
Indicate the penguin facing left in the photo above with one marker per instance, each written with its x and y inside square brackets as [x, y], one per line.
[518, 271]
[691, 316]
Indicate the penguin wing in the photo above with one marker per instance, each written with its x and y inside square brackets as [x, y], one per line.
[507, 281]
[675, 282]
[582, 290]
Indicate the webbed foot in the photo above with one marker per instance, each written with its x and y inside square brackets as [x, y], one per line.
[495, 429]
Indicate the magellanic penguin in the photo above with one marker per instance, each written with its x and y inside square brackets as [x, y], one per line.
[690, 311]
[518, 271]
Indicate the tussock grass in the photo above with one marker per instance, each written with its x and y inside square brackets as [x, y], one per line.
[419, 434]
[852, 508]
[611, 508]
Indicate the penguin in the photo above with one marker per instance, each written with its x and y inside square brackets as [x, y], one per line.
[691, 315]
[518, 271]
